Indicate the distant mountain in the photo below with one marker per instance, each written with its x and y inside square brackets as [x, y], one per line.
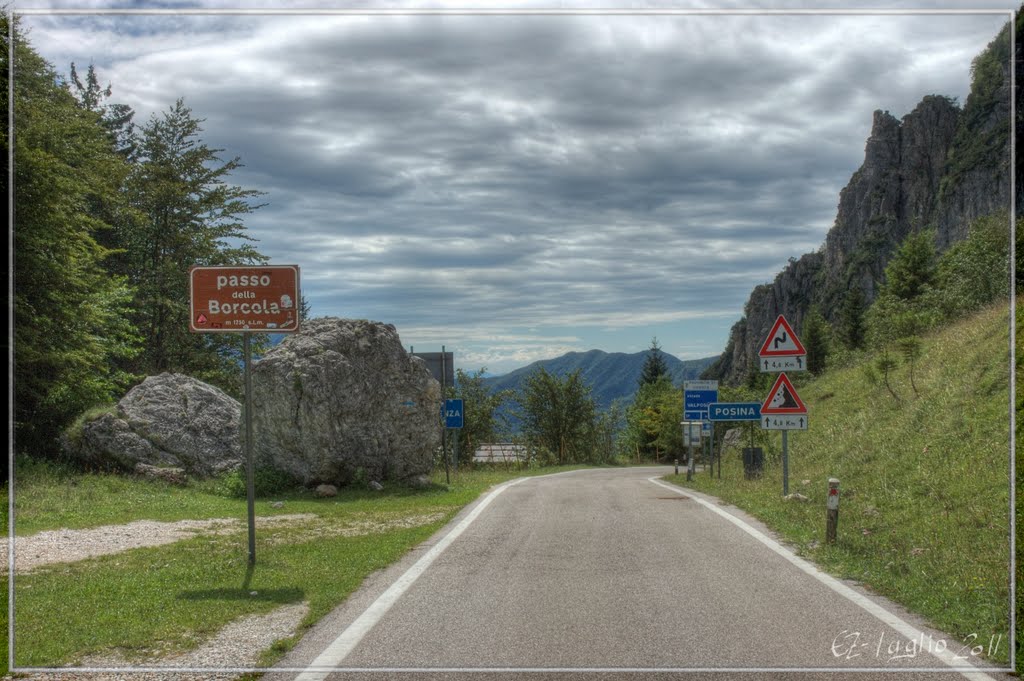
[610, 375]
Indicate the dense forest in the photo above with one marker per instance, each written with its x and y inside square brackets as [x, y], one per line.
[109, 215]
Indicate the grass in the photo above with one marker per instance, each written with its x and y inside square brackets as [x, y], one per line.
[171, 598]
[924, 513]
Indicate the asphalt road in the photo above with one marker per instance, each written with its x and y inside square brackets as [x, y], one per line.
[608, 574]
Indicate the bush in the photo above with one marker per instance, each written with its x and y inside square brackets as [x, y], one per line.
[267, 481]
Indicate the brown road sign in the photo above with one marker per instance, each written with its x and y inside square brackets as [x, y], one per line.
[232, 299]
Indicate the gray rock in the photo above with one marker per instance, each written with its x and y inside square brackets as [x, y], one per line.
[326, 491]
[341, 400]
[175, 476]
[376, 486]
[277, 504]
[796, 496]
[733, 438]
[167, 421]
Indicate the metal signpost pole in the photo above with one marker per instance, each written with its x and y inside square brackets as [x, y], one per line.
[444, 429]
[250, 484]
[693, 456]
[710, 454]
[785, 463]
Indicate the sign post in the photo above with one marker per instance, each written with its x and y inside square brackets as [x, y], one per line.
[246, 300]
[784, 410]
[453, 417]
[697, 397]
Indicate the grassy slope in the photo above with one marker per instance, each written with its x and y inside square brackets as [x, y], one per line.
[172, 597]
[924, 515]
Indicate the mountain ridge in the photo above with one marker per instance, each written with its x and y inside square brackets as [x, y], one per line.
[611, 375]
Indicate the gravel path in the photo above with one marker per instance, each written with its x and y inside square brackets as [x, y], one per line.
[68, 546]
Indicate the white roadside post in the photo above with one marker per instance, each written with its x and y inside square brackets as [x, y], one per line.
[832, 511]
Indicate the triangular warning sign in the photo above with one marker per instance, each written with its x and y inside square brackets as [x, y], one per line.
[781, 341]
[783, 399]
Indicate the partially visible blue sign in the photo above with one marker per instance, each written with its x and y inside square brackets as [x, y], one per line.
[735, 411]
[695, 403]
[453, 413]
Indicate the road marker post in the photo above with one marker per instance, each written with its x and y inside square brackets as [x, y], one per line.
[832, 511]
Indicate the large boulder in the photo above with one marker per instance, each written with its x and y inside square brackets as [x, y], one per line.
[342, 400]
[167, 421]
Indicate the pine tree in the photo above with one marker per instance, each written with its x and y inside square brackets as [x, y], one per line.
[189, 216]
[851, 319]
[815, 340]
[116, 118]
[655, 365]
[911, 271]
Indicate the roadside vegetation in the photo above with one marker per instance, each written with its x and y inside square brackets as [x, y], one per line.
[924, 511]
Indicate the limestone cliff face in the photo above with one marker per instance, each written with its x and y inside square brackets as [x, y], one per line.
[940, 167]
[893, 193]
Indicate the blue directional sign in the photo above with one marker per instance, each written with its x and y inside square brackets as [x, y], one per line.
[734, 411]
[697, 395]
[453, 413]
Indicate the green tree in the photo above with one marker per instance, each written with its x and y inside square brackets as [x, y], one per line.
[911, 271]
[559, 415]
[655, 365]
[482, 409]
[188, 215]
[976, 271]
[815, 335]
[851, 319]
[117, 119]
[653, 419]
[70, 325]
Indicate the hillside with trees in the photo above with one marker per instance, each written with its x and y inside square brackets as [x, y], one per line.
[109, 218]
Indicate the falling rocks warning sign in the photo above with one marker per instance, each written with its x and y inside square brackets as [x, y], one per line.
[233, 299]
[782, 399]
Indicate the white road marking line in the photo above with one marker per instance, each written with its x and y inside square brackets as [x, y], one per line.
[948, 657]
[339, 649]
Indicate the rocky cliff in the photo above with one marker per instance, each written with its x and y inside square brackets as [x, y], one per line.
[940, 167]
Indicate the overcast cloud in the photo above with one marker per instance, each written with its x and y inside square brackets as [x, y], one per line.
[516, 187]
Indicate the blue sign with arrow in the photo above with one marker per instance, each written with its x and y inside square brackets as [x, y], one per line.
[453, 413]
[735, 411]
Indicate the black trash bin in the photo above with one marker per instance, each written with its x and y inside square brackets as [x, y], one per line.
[753, 462]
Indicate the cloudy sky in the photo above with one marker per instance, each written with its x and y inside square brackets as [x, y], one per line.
[515, 187]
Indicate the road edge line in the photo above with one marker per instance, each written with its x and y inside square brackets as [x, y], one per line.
[894, 621]
[340, 648]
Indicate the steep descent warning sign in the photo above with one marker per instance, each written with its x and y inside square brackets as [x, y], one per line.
[782, 399]
[781, 341]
